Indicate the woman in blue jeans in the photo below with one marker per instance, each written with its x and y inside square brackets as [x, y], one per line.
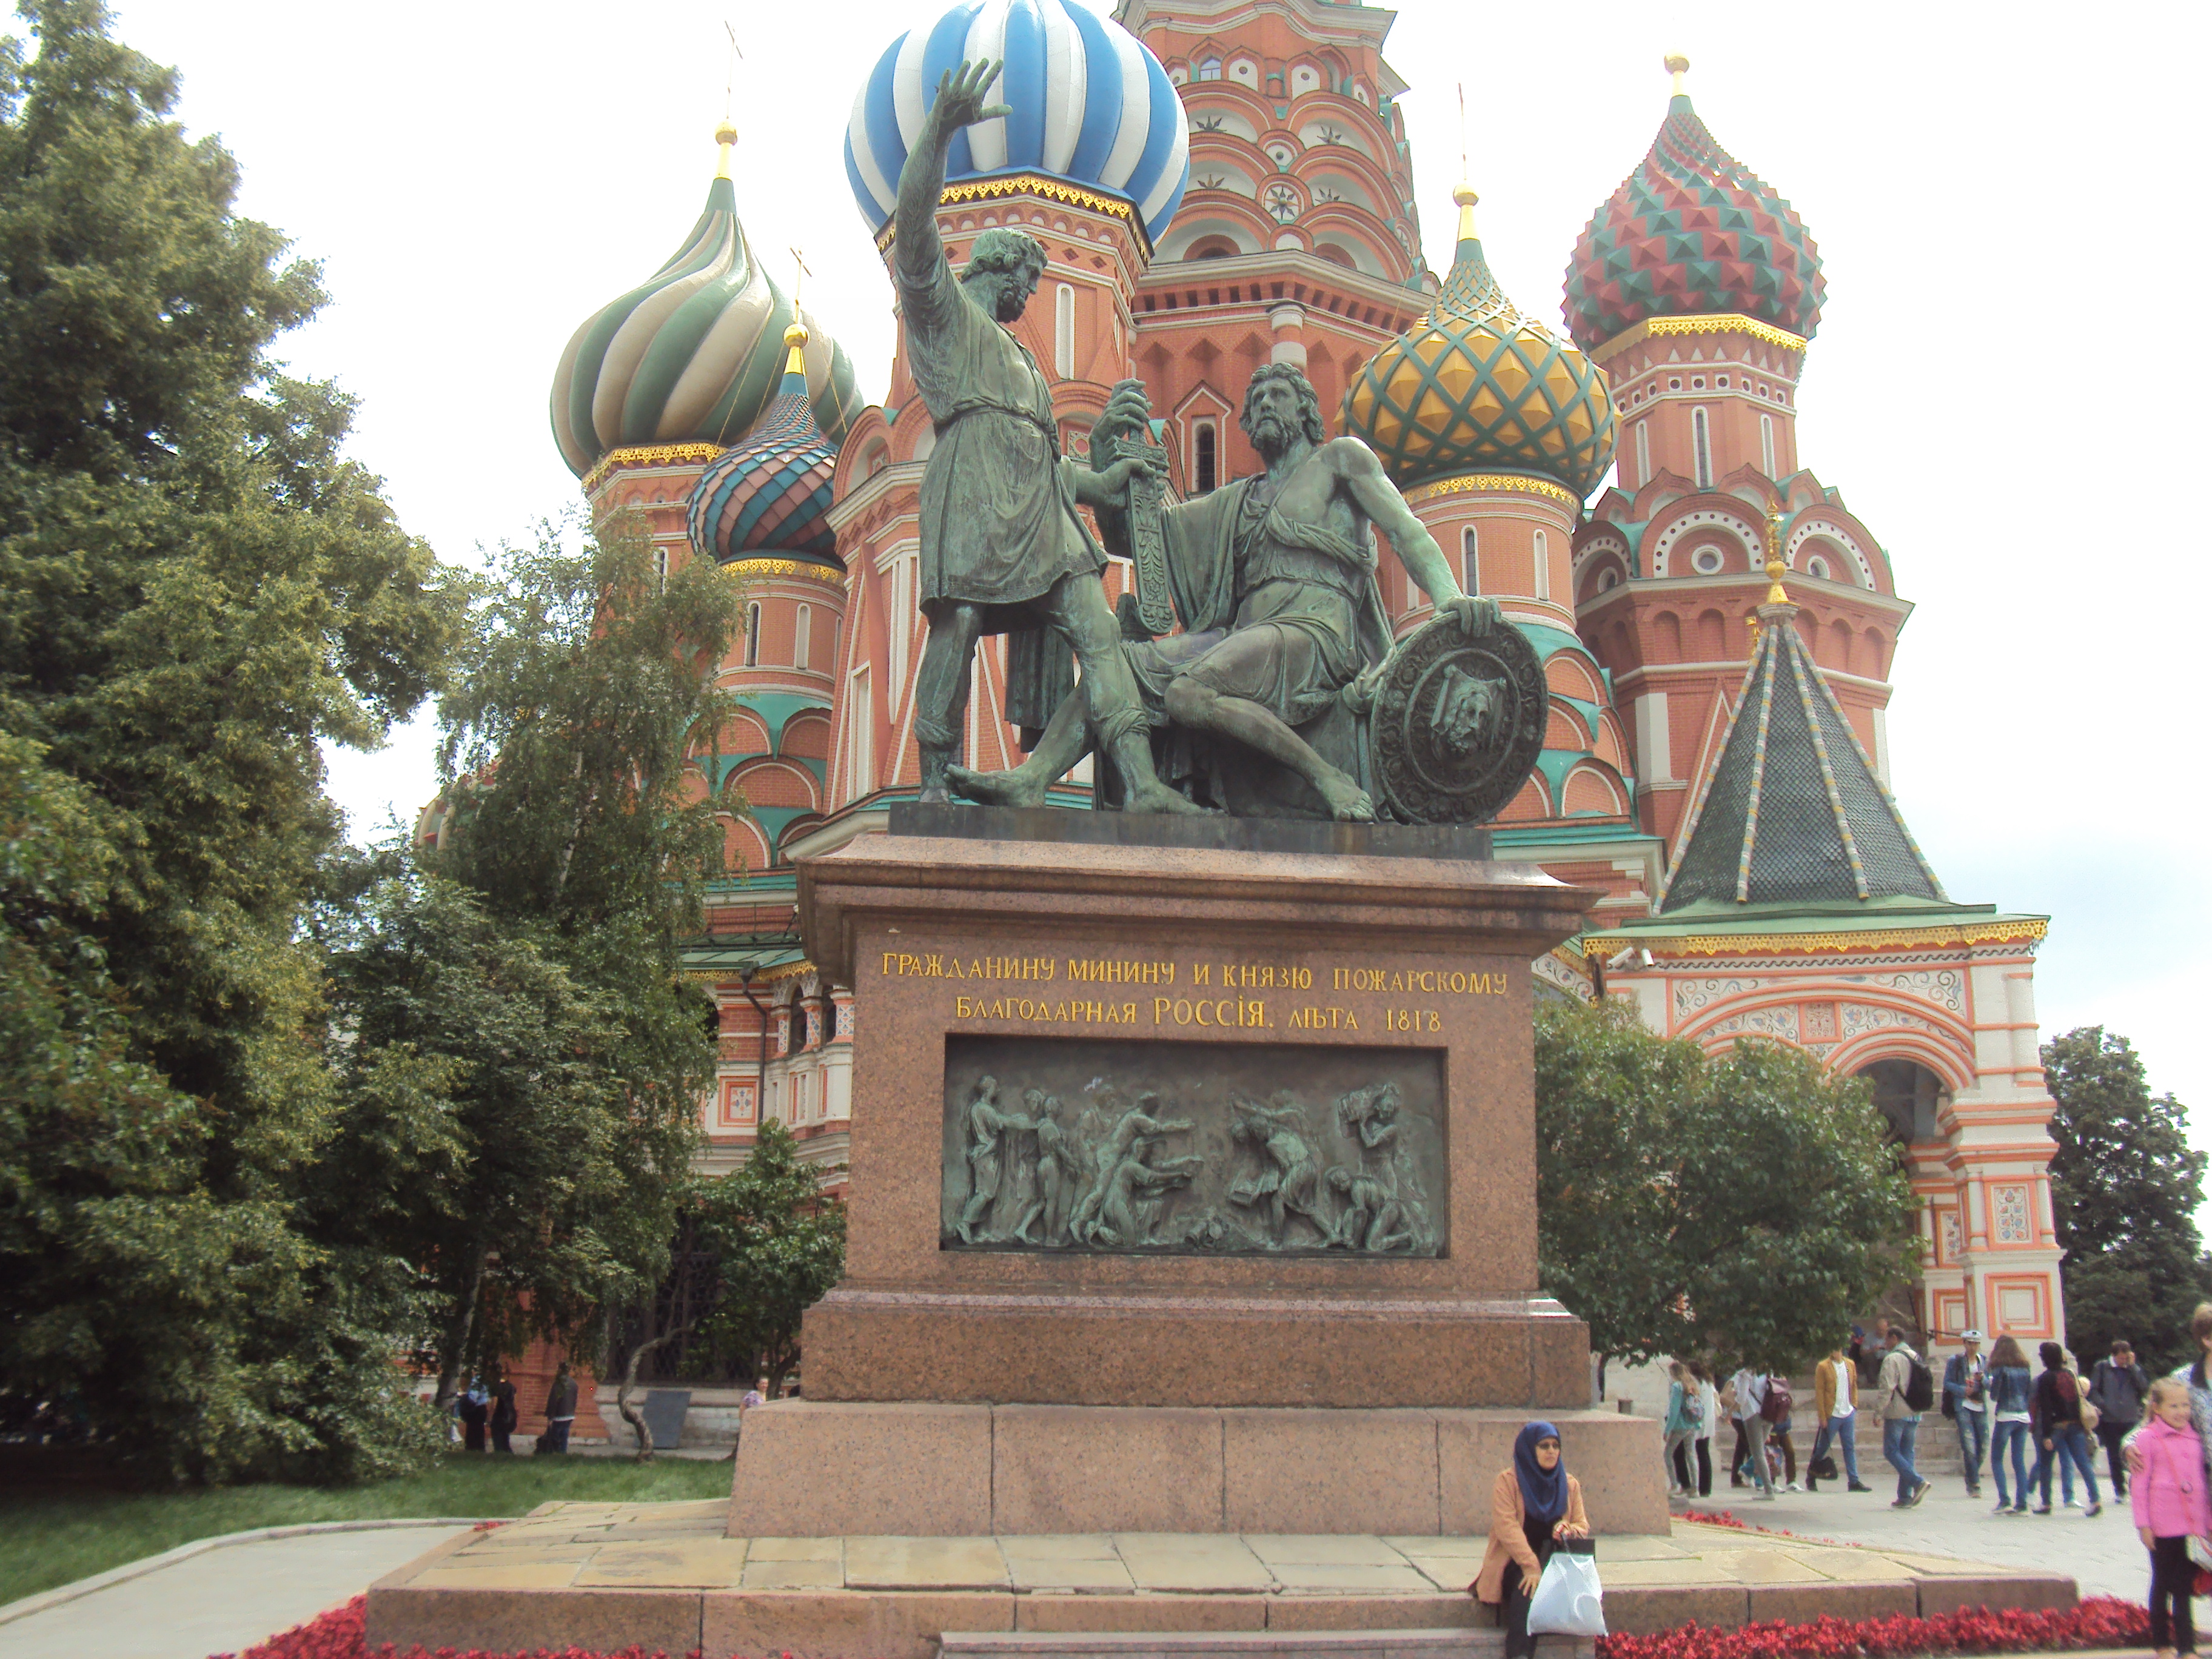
[2058, 1409]
[2010, 1427]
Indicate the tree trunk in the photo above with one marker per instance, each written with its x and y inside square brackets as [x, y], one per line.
[629, 1413]
[457, 1333]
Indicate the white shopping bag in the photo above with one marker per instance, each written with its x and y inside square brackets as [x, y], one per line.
[1568, 1600]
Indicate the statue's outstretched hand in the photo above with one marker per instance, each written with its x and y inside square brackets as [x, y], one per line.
[1476, 617]
[1127, 412]
[960, 96]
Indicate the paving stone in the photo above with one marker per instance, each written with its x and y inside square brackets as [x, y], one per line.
[1277, 1549]
[793, 1575]
[924, 1564]
[1084, 1563]
[1203, 1563]
[795, 1549]
[701, 1563]
[1068, 1614]
[736, 1622]
[512, 1573]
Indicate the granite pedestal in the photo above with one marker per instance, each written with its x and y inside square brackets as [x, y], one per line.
[1313, 1388]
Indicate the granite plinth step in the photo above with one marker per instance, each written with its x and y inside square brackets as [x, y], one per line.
[1414, 1643]
[606, 1577]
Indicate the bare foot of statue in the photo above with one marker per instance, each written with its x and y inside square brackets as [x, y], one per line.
[1158, 798]
[1347, 802]
[934, 795]
[1010, 789]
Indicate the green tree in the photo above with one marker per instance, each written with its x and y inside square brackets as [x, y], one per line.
[577, 736]
[1747, 1204]
[2124, 1188]
[778, 1246]
[196, 588]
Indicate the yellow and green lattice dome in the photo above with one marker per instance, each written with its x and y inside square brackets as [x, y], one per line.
[1475, 386]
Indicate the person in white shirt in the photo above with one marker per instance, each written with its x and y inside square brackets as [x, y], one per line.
[1836, 1402]
[1750, 1388]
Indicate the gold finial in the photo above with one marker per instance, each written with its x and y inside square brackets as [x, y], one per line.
[1775, 567]
[795, 336]
[1677, 66]
[1464, 195]
[1751, 627]
[726, 134]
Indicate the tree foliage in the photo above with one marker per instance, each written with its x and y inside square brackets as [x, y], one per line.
[2124, 1188]
[197, 588]
[1748, 1206]
[778, 1246]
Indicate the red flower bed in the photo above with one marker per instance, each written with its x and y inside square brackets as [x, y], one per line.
[2102, 1621]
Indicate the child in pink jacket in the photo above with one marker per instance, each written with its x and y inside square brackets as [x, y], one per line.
[2170, 1509]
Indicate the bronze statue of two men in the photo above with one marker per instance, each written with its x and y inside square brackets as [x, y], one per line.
[1273, 576]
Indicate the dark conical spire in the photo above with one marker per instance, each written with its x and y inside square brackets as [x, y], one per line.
[1791, 811]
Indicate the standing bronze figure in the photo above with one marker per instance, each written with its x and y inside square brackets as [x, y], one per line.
[1003, 548]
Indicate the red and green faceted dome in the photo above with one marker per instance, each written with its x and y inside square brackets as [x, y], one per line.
[1691, 232]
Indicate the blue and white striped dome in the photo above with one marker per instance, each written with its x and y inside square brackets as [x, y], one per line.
[1091, 105]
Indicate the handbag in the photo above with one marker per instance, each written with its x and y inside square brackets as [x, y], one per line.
[1568, 1600]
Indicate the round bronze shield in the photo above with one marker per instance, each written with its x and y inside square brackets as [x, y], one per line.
[1458, 723]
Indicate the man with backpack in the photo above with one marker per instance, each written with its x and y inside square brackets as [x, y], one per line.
[1750, 1388]
[1911, 1392]
[1966, 1402]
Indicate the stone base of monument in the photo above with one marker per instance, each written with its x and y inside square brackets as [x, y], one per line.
[1026, 1470]
[1193, 1187]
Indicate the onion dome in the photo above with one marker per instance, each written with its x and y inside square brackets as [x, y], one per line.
[694, 353]
[770, 494]
[1691, 233]
[1476, 387]
[1092, 108]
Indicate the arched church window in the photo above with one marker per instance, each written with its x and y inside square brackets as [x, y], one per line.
[752, 636]
[1470, 562]
[1063, 330]
[801, 644]
[1207, 465]
[1644, 452]
[1543, 566]
[1702, 442]
[1766, 443]
[1210, 70]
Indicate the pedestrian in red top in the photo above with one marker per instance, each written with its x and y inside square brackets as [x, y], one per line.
[2170, 1509]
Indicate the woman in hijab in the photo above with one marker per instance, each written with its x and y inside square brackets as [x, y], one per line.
[1533, 1505]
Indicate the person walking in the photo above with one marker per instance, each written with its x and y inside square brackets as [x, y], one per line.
[1966, 1402]
[2010, 1391]
[1776, 1408]
[1709, 1413]
[503, 1416]
[1681, 1429]
[473, 1407]
[2117, 1388]
[1900, 1420]
[2170, 1510]
[1749, 1388]
[560, 1413]
[1532, 1506]
[2057, 1411]
[1836, 1407]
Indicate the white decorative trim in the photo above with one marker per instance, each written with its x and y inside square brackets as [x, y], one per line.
[1804, 533]
[1754, 548]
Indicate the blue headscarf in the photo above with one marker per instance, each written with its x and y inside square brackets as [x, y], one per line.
[1543, 1493]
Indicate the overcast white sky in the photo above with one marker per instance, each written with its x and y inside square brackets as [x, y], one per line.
[2009, 200]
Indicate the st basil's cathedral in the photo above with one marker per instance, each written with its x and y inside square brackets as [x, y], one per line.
[1222, 184]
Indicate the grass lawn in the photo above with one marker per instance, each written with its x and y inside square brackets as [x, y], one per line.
[52, 1532]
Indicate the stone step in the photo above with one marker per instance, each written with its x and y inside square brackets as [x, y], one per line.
[1482, 1644]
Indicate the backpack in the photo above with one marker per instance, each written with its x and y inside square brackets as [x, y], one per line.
[1950, 1406]
[1919, 1386]
[1775, 1408]
[1694, 1408]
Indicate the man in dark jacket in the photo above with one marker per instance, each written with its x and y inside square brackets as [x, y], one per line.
[2117, 1388]
[560, 1412]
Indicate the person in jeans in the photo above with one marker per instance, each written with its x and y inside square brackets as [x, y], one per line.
[1750, 1388]
[1681, 1429]
[1777, 1431]
[1709, 1401]
[1900, 1423]
[2117, 1388]
[2010, 1429]
[1966, 1392]
[2170, 1510]
[560, 1413]
[2057, 1405]
[1836, 1407]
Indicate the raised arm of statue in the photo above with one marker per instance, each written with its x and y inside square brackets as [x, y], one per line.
[922, 181]
[1354, 463]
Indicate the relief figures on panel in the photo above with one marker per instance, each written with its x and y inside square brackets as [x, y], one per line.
[1181, 1148]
